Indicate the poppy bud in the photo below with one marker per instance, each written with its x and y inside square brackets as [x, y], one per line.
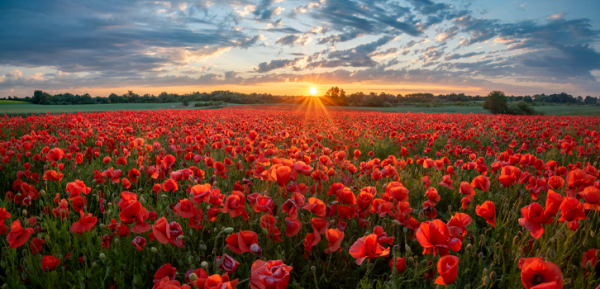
[469, 247]
[102, 256]
[589, 266]
[4, 286]
[117, 241]
[202, 247]
[449, 208]
[405, 229]
[411, 260]
[313, 268]
[109, 212]
[493, 277]
[190, 259]
[407, 248]
[42, 192]
[485, 271]
[180, 237]
[94, 264]
[486, 281]
[228, 230]
[592, 234]
[102, 226]
[480, 255]
[24, 212]
[154, 250]
[204, 264]
[2, 264]
[142, 200]
[265, 231]
[193, 277]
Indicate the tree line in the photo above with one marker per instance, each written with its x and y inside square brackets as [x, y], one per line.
[333, 96]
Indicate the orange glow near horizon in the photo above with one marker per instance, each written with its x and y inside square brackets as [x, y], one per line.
[284, 88]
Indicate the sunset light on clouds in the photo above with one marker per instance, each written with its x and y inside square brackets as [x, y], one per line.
[289, 47]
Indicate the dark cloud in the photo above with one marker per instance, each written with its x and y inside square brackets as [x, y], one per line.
[466, 55]
[429, 7]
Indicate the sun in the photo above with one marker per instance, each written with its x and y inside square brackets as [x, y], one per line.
[313, 91]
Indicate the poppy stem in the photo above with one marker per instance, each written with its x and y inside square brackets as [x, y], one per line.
[315, 278]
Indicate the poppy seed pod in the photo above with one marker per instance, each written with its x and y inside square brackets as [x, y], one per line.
[204, 264]
[102, 256]
[193, 277]
[493, 277]
[228, 230]
[407, 249]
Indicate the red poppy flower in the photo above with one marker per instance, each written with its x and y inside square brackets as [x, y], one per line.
[334, 239]
[400, 264]
[311, 240]
[217, 281]
[36, 245]
[139, 242]
[367, 247]
[49, 263]
[538, 274]
[316, 206]
[185, 209]
[553, 202]
[556, 182]
[167, 232]
[591, 256]
[571, 210]
[17, 235]
[591, 195]
[55, 154]
[227, 263]
[269, 275]
[292, 227]
[86, 222]
[235, 205]
[434, 236]
[481, 182]
[397, 191]
[170, 185]
[533, 219]
[487, 210]
[165, 270]
[51, 175]
[447, 266]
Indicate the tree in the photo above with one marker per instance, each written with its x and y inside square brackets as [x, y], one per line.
[590, 100]
[496, 102]
[333, 92]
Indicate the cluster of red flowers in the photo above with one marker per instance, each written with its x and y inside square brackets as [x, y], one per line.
[292, 174]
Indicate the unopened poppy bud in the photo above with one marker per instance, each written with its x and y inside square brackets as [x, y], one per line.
[117, 241]
[449, 208]
[407, 248]
[228, 230]
[396, 247]
[4, 286]
[589, 266]
[180, 237]
[405, 229]
[493, 277]
[102, 256]
[313, 268]
[193, 277]
[2, 264]
[485, 271]
[202, 247]
[154, 250]
[552, 254]
[24, 212]
[190, 259]
[592, 234]
[204, 264]
[102, 226]
[109, 212]
[142, 200]
[486, 281]
[395, 222]
[516, 241]
[575, 268]
[598, 254]
[411, 260]
[43, 192]
[94, 264]
[265, 231]
[480, 255]
[469, 247]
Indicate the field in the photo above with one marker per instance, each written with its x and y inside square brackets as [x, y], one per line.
[298, 197]
[27, 108]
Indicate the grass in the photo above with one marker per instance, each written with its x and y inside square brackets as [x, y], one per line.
[27, 108]
[17, 107]
[6, 101]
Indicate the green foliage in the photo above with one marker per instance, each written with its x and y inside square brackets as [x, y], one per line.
[496, 102]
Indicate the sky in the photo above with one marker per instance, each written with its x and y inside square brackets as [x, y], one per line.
[286, 47]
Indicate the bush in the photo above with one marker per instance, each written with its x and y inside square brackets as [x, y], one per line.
[496, 102]
[186, 102]
[521, 108]
[387, 104]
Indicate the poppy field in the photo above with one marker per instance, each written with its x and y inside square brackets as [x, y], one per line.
[299, 198]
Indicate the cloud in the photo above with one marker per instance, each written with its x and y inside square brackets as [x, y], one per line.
[293, 39]
[449, 34]
[466, 55]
